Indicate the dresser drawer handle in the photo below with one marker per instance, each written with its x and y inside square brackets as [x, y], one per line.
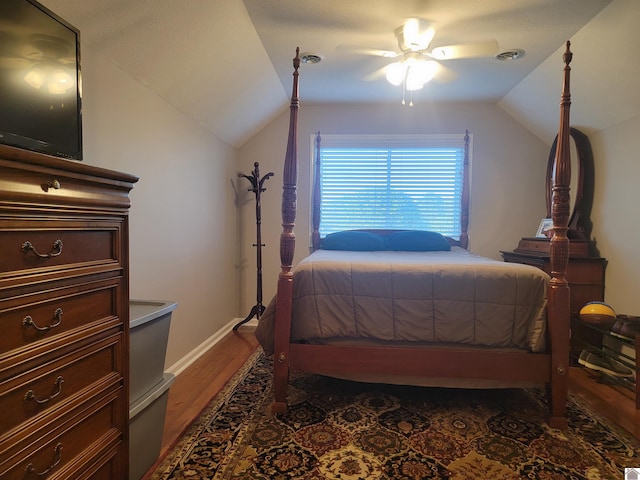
[57, 385]
[57, 320]
[55, 184]
[57, 457]
[56, 249]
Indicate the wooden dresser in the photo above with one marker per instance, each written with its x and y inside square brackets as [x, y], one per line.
[64, 318]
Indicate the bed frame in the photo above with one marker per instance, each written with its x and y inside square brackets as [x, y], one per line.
[507, 366]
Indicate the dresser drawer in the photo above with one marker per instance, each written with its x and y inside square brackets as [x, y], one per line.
[105, 471]
[59, 385]
[60, 184]
[67, 448]
[585, 273]
[35, 321]
[29, 246]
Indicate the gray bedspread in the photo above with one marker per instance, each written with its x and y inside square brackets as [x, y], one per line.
[454, 297]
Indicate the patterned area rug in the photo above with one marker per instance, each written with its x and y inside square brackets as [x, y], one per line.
[336, 429]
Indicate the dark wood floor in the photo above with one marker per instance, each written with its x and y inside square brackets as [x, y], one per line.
[194, 388]
[614, 402]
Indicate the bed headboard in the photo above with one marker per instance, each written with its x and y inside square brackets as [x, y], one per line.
[463, 241]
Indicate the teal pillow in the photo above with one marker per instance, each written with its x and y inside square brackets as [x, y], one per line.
[417, 241]
[354, 241]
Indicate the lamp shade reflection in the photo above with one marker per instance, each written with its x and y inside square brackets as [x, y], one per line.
[54, 78]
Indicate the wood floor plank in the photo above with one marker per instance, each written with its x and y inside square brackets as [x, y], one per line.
[614, 402]
[196, 386]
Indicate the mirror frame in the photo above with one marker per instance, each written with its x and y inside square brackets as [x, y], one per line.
[579, 220]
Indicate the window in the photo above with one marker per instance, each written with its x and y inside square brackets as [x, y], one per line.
[391, 182]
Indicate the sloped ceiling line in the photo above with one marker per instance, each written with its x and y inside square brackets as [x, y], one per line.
[227, 64]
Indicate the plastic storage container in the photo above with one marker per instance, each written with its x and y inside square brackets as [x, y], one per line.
[149, 322]
[146, 423]
[149, 385]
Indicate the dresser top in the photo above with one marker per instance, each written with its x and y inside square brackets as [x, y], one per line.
[10, 156]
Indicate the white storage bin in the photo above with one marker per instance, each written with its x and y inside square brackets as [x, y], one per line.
[149, 322]
[146, 423]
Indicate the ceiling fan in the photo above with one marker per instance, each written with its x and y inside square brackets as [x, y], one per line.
[417, 63]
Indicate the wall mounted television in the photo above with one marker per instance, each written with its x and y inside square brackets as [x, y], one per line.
[40, 80]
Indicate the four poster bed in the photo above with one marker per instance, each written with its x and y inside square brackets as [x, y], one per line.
[441, 316]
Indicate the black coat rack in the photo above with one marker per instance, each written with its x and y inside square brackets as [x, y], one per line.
[257, 188]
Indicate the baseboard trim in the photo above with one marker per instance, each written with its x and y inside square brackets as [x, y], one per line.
[178, 367]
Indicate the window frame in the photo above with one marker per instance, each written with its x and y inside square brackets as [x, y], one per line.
[394, 140]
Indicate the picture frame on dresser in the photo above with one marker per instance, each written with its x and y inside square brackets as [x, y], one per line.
[546, 224]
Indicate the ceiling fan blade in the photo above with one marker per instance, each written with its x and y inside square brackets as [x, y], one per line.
[369, 51]
[380, 53]
[375, 75]
[14, 63]
[465, 50]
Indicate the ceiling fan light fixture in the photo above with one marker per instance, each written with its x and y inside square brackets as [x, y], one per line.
[413, 71]
[396, 72]
[414, 82]
[419, 73]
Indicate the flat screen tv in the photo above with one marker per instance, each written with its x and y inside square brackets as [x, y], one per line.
[40, 81]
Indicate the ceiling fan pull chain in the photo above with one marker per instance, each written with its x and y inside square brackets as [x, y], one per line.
[404, 89]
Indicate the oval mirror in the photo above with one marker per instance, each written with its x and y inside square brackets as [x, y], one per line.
[581, 188]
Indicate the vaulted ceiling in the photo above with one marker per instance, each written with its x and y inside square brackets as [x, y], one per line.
[227, 63]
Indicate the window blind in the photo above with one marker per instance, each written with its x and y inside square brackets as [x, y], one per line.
[391, 182]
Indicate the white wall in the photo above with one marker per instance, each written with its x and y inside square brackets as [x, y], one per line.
[507, 181]
[615, 107]
[606, 108]
[616, 229]
[183, 218]
[603, 76]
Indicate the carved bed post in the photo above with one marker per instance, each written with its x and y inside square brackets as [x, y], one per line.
[464, 210]
[559, 311]
[317, 195]
[284, 294]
